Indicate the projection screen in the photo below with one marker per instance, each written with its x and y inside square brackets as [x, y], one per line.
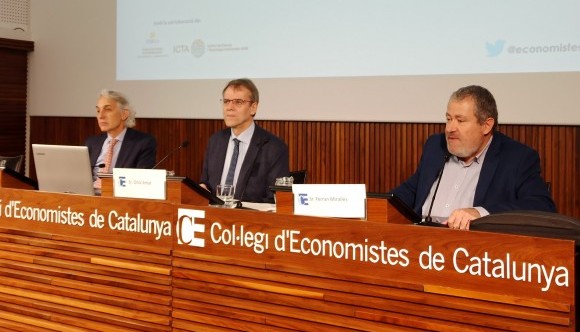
[313, 60]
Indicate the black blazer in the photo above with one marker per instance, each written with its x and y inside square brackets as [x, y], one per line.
[509, 180]
[138, 149]
[266, 160]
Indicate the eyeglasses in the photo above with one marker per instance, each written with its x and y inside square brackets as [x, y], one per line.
[237, 102]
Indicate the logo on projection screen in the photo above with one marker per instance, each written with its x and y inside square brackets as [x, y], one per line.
[197, 48]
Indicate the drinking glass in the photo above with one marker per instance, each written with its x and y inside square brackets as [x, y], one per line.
[225, 192]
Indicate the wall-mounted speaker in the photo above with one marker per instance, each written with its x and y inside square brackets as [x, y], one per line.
[14, 19]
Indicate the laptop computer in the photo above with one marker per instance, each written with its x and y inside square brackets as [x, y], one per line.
[63, 168]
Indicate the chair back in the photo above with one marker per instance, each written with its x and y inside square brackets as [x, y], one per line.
[531, 223]
[14, 163]
[299, 176]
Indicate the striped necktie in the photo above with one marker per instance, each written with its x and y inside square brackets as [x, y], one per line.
[109, 155]
[233, 162]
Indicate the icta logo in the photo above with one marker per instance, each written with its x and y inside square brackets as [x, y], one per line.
[186, 228]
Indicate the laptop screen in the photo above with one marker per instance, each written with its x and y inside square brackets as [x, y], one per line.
[63, 168]
[403, 208]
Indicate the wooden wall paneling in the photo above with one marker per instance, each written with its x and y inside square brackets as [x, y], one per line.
[13, 88]
[315, 151]
[390, 152]
[354, 152]
[341, 145]
[416, 140]
[294, 138]
[568, 165]
[372, 147]
[346, 144]
[542, 148]
[360, 163]
[336, 145]
[309, 162]
[399, 151]
[333, 160]
[570, 146]
[170, 135]
[374, 141]
[331, 157]
[559, 144]
[576, 184]
[319, 154]
[367, 149]
[317, 146]
[381, 155]
[554, 155]
[304, 152]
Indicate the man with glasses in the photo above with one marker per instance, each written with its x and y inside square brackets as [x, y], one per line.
[472, 169]
[244, 154]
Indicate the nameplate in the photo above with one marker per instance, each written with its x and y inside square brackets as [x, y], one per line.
[139, 183]
[330, 200]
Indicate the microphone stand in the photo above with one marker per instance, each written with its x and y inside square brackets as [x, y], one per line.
[183, 145]
[428, 218]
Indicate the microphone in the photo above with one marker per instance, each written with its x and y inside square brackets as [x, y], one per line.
[182, 145]
[428, 218]
[253, 165]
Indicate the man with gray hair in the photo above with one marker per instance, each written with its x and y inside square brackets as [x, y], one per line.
[472, 170]
[119, 145]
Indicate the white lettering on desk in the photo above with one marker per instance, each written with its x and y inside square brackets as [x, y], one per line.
[366, 251]
[67, 216]
[137, 224]
[292, 241]
[237, 236]
[506, 268]
[59, 215]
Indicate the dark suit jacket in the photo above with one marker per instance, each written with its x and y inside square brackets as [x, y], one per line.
[138, 149]
[509, 180]
[266, 160]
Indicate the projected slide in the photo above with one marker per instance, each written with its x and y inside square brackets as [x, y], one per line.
[187, 39]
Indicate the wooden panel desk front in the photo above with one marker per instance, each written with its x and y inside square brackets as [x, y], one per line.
[11, 179]
[83, 263]
[157, 266]
[249, 270]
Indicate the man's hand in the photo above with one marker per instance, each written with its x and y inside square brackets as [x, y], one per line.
[461, 218]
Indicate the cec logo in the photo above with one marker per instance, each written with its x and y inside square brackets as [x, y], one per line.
[187, 231]
[303, 199]
[122, 181]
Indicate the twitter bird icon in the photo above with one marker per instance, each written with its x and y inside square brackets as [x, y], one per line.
[494, 49]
